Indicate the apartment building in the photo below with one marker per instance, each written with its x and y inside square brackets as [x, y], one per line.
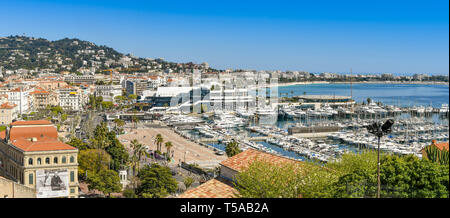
[70, 98]
[108, 92]
[8, 113]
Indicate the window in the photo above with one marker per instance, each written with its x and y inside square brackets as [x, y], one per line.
[55, 160]
[47, 160]
[39, 161]
[63, 160]
[72, 159]
[72, 190]
[72, 176]
[30, 179]
[30, 161]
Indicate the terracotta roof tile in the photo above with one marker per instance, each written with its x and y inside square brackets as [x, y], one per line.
[442, 145]
[214, 188]
[31, 122]
[46, 145]
[35, 135]
[39, 132]
[243, 159]
[7, 105]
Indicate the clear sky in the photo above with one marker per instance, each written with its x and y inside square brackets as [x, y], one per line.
[316, 36]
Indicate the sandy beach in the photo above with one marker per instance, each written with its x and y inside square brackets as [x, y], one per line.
[194, 152]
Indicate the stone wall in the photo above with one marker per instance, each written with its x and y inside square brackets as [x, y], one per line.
[10, 189]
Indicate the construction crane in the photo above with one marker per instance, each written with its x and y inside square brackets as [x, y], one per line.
[110, 74]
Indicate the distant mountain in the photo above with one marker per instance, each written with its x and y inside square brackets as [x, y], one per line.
[74, 55]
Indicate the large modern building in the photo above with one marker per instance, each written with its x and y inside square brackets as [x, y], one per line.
[135, 86]
[32, 155]
[176, 97]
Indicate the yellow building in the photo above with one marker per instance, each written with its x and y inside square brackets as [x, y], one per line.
[32, 155]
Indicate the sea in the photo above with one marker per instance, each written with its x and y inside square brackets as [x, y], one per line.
[392, 94]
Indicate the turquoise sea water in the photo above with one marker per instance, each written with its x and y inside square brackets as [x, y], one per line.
[394, 94]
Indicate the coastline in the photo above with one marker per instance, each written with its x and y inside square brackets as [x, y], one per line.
[366, 82]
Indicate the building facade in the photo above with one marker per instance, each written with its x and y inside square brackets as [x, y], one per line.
[32, 155]
[8, 112]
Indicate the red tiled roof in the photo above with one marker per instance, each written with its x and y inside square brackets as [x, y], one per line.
[32, 122]
[243, 160]
[45, 145]
[35, 135]
[214, 188]
[39, 132]
[7, 105]
[441, 145]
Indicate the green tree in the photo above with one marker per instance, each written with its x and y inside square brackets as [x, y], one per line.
[129, 193]
[436, 155]
[232, 148]
[401, 177]
[168, 145]
[107, 105]
[156, 182]
[106, 181]
[63, 117]
[118, 123]
[92, 161]
[263, 179]
[410, 177]
[188, 181]
[78, 143]
[158, 141]
[119, 155]
[139, 150]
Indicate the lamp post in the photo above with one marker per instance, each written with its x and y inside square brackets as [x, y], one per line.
[379, 130]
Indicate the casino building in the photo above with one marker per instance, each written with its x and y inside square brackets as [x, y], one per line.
[32, 155]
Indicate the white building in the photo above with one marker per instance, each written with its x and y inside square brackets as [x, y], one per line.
[21, 98]
[70, 99]
[108, 92]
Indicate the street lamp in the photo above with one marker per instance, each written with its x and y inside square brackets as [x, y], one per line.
[379, 130]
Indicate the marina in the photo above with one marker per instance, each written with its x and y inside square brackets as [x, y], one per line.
[316, 132]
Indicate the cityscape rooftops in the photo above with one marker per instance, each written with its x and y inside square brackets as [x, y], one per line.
[214, 188]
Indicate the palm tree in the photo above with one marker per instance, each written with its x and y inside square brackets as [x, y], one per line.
[118, 123]
[135, 119]
[232, 148]
[158, 141]
[133, 163]
[168, 145]
[139, 150]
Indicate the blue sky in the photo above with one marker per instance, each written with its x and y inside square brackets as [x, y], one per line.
[316, 36]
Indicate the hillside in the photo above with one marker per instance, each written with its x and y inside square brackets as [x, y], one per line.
[73, 55]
